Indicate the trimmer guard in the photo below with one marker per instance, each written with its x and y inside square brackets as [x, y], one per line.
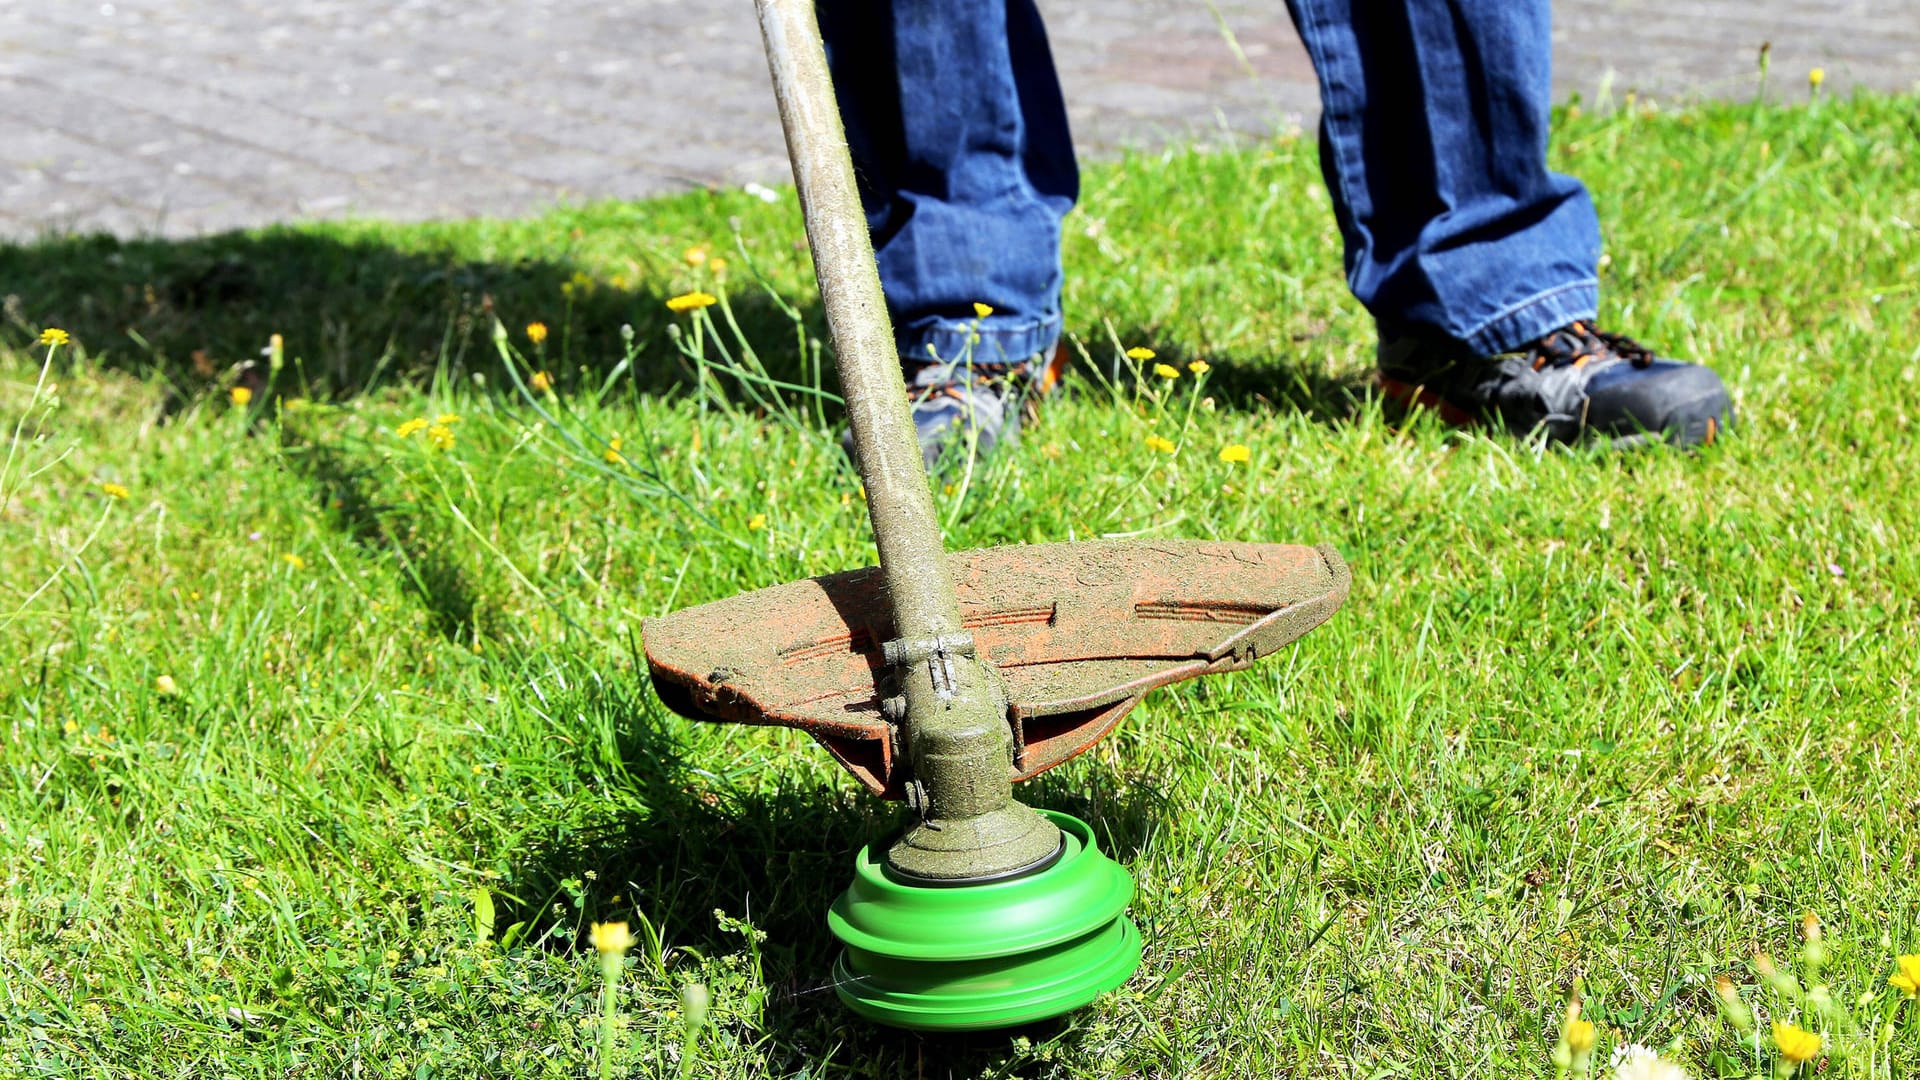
[1078, 631]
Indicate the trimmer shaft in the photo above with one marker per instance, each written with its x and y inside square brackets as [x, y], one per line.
[952, 710]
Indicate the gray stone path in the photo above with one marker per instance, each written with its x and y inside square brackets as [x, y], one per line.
[176, 117]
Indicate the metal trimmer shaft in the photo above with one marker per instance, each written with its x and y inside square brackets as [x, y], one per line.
[950, 705]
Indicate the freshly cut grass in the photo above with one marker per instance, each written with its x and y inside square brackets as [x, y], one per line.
[323, 746]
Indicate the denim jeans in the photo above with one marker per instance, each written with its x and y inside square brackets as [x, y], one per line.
[1433, 144]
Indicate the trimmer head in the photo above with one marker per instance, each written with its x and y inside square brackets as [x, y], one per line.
[973, 957]
[1078, 632]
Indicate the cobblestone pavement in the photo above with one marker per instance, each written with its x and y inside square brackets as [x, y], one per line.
[176, 117]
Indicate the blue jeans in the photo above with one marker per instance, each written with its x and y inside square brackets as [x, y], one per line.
[1433, 143]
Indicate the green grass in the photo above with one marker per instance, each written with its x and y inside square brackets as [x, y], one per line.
[1615, 718]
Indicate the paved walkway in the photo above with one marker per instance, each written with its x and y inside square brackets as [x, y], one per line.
[176, 117]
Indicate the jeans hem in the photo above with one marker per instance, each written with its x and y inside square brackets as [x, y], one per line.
[1535, 317]
[1002, 341]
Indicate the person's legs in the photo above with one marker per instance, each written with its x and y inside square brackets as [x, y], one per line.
[1434, 142]
[1476, 261]
[960, 141]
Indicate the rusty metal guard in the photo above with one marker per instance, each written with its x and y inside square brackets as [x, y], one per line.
[1078, 631]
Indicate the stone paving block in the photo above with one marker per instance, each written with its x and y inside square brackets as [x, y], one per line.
[187, 115]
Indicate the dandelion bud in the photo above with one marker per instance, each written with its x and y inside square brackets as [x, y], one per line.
[1575, 1048]
[694, 1000]
[1813, 954]
[611, 940]
[1581, 1036]
[1732, 1008]
[1783, 984]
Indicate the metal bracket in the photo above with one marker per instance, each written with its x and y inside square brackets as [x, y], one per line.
[938, 653]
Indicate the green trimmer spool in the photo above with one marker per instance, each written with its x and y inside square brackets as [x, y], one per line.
[971, 957]
[940, 680]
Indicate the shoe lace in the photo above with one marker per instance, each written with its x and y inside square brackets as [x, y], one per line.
[1579, 343]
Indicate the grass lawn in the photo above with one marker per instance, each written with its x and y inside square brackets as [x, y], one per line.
[322, 746]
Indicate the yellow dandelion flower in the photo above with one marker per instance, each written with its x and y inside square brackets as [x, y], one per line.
[294, 561]
[447, 418]
[537, 332]
[692, 301]
[441, 436]
[1199, 367]
[113, 491]
[695, 255]
[1581, 1036]
[1235, 454]
[1140, 352]
[1816, 76]
[1796, 1043]
[1166, 371]
[1907, 979]
[613, 451]
[411, 428]
[757, 522]
[71, 727]
[164, 685]
[612, 937]
[982, 310]
[1164, 445]
[542, 382]
[719, 267]
[241, 396]
[53, 335]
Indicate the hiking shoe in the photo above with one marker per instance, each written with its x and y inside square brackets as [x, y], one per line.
[961, 407]
[1573, 382]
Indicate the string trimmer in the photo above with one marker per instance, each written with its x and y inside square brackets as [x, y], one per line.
[942, 679]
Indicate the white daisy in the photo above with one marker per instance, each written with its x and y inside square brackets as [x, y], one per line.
[1636, 1062]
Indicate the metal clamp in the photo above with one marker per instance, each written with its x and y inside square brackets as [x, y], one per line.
[900, 652]
[937, 653]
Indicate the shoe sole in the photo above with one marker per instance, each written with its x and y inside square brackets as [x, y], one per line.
[1410, 395]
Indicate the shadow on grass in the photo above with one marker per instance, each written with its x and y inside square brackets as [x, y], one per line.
[687, 845]
[347, 489]
[353, 311]
[357, 311]
[1286, 380]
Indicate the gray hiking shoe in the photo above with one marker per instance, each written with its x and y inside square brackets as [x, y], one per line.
[1575, 382]
[960, 408]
